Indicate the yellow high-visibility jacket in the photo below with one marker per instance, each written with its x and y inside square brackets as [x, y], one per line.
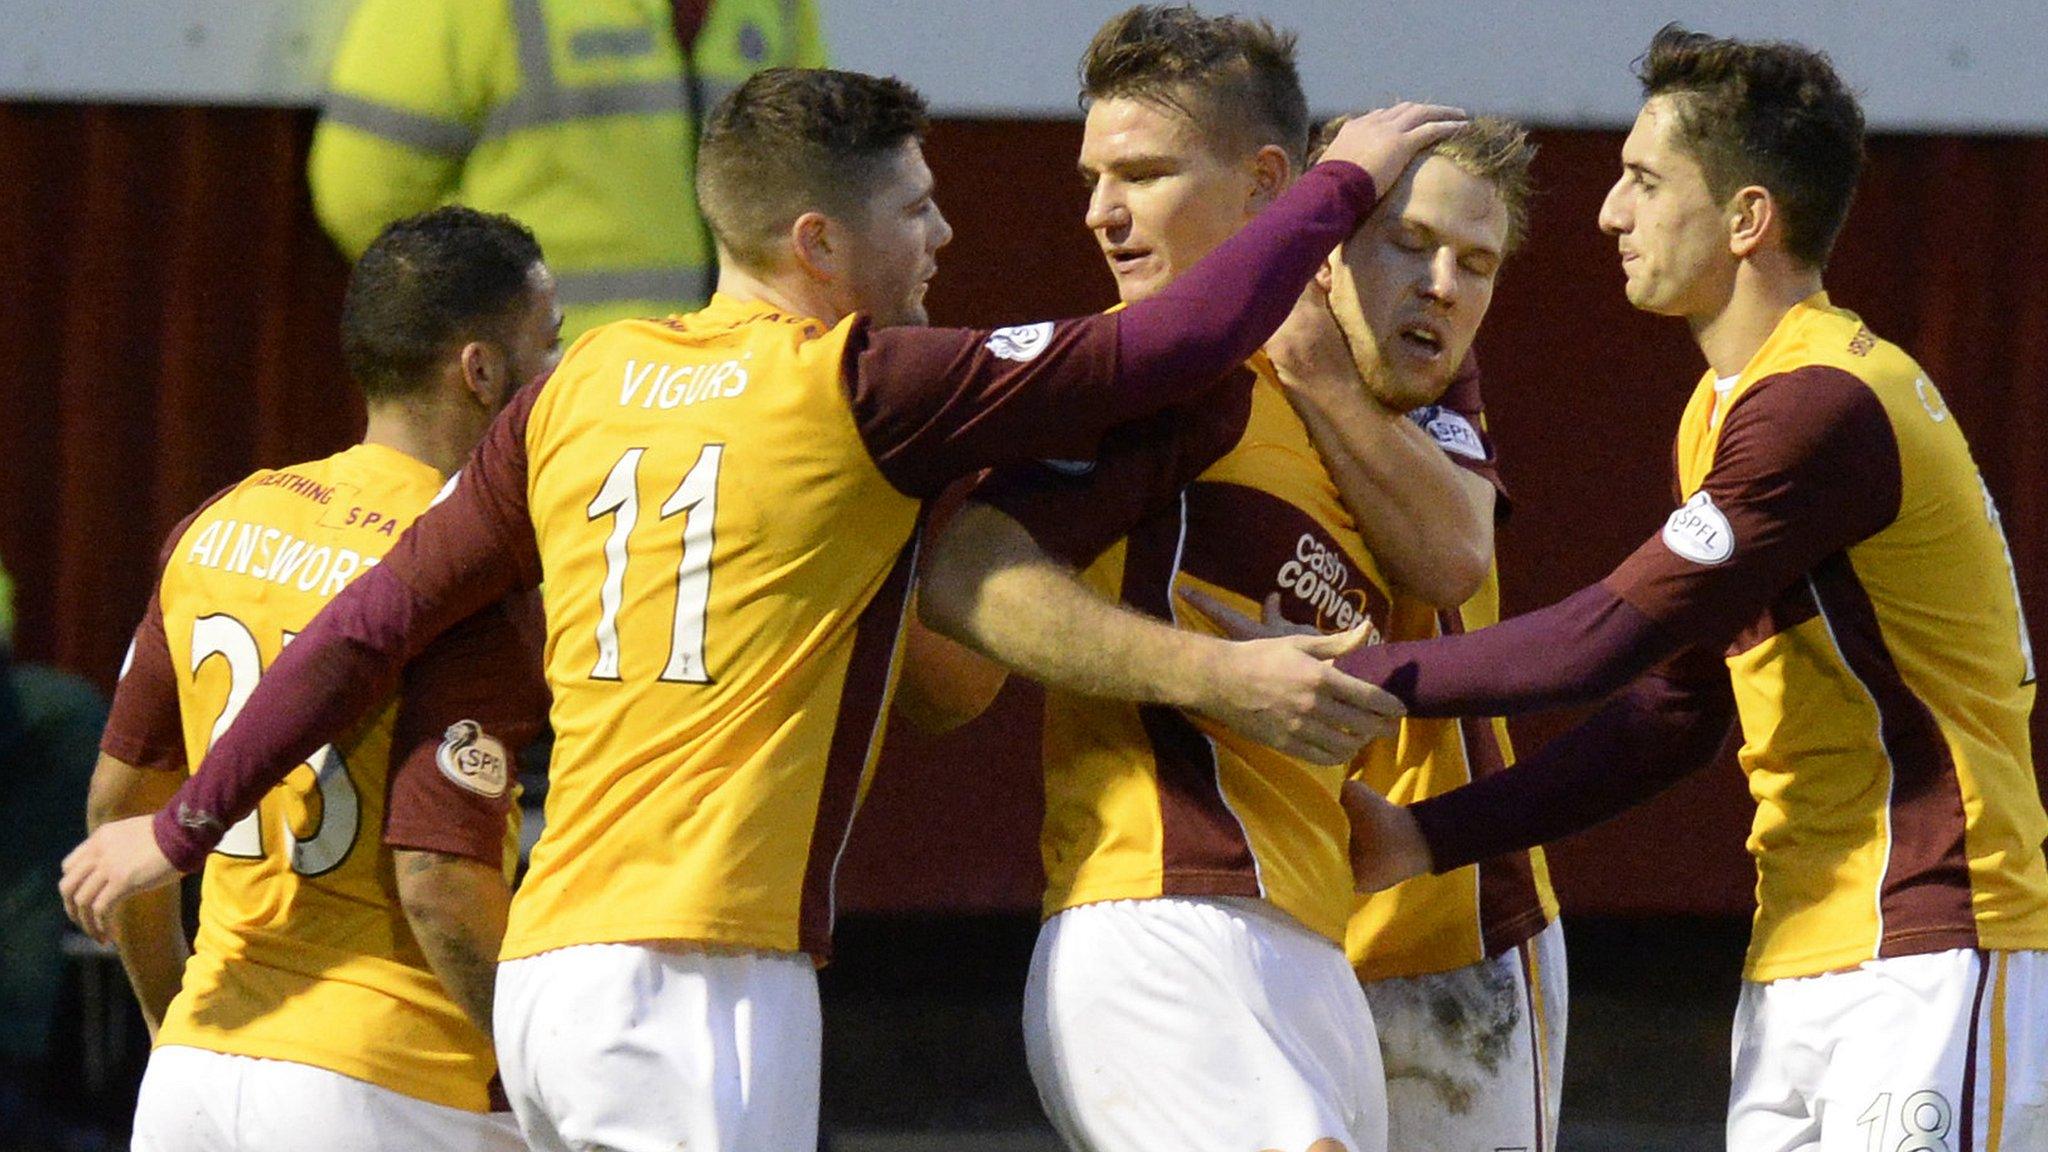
[573, 116]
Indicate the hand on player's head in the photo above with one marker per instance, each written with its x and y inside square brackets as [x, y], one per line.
[1386, 140]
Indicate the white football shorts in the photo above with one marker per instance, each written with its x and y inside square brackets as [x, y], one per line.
[197, 1100]
[634, 1048]
[1475, 1056]
[1200, 1025]
[1946, 1052]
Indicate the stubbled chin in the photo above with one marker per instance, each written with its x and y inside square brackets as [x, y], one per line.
[1411, 389]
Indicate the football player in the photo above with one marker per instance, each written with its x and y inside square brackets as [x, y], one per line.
[338, 995]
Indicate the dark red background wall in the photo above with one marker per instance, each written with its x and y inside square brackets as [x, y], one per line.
[168, 324]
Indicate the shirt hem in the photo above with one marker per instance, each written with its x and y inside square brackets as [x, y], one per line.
[1194, 883]
[687, 933]
[407, 1082]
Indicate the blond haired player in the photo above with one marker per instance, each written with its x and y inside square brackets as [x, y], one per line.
[338, 995]
[1835, 578]
[721, 506]
[1465, 972]
[1190, 987]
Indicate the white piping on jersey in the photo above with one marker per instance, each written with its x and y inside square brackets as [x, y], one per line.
[1180, 545]
[1891, 786]
[874, 738]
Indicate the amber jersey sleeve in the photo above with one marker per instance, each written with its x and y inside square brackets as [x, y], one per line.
[1807, 465]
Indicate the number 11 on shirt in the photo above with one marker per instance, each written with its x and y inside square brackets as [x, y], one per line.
[697, 498]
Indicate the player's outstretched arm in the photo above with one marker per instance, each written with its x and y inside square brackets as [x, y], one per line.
[1667, 725]
[1234, 299]
[147, 930]
[1807, 465]
[992, 588]
[936, 404]
[1427, 522]
[456, 907]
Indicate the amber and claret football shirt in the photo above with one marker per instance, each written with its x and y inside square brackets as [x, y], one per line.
[1835, 576]
[303, 952]
[1445, 921]
[1145, 801]
[721, 508]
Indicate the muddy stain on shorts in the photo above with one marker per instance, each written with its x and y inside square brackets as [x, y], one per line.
[1451, 1030]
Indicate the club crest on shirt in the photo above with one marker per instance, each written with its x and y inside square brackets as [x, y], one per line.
[1699, 532]
[1451, 430]
[1021, 343]
[474, 759]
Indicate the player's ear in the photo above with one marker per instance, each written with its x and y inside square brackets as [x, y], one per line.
[1272, 172]
[1751, 214]
[486, 373]
[818, 249]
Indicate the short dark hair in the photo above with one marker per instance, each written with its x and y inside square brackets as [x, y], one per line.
[1769, 113]
[795, 140]
[1495, 150]
[1230, 76]
[427, 284]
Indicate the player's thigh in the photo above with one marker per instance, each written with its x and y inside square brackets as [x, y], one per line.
[1895, 1053]
[1902, 1044]
[1195, 1025]
[187, 1101]
[625, 1047]
[1955, 1056]
[1778, 1053]
[1475, 1056]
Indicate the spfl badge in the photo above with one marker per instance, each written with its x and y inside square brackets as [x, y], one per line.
[473, 759]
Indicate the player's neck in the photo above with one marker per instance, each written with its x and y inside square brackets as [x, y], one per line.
[793, 293]
[441, 444]
[1731, 337]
